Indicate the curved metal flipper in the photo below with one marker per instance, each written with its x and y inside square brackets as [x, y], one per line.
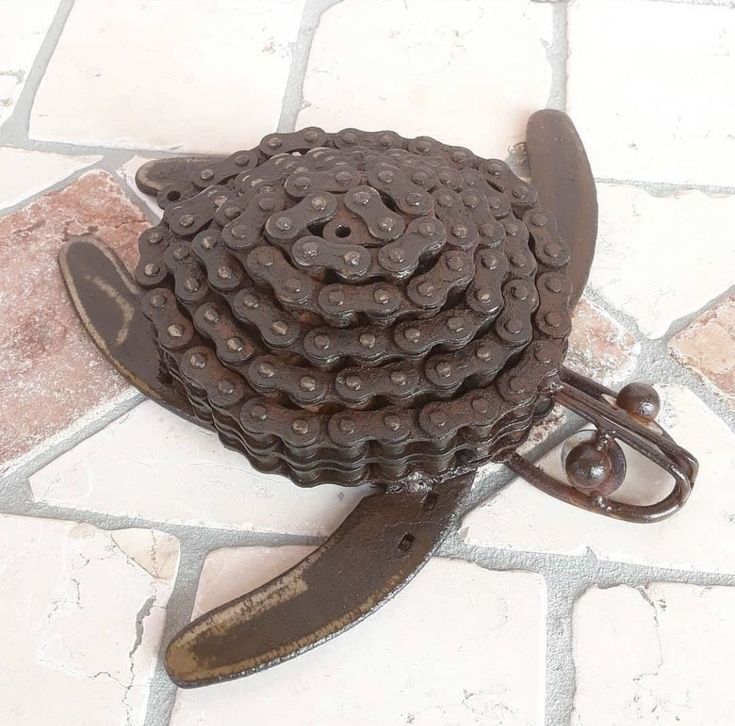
[373, 554]
[561, 173]
[107, 300]
[158, 174]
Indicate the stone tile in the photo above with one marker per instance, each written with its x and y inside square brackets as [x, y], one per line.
[222, 92]
[671, 646]
[83, 611]
[34, 171]
[599, 347]
[660, 258]
[51, 374]
[521, 517]
[21, 35]
[153, 464]
[460, 645]
[707, 346]
[664, 115]
[441, 69]
[231, 571]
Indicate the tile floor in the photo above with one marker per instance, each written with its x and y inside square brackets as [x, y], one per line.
[533, 612]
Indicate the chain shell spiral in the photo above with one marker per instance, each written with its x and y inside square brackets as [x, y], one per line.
[358, 306]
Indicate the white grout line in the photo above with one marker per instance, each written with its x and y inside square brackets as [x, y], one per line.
[557, 54]
[16, 127]
[293, 96]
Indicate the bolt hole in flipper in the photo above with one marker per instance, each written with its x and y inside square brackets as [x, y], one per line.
[372, 555]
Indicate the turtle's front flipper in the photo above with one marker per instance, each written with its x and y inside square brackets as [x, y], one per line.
[561, 173]
[372, 555]
[107, 300]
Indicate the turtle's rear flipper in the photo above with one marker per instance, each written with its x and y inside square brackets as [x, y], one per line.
[372, 555]
[562, 176]
[159, 174]
[107, 300]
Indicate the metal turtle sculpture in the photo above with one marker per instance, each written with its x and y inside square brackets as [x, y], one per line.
[360, 307]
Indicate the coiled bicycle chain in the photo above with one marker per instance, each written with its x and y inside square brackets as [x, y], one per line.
[358, 306]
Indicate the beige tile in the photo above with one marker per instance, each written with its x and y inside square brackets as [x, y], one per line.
[658, 655]
[442, 68]
[661, 258]
[83, 611]
[30, 172]
[21, 35]
[646, 89]
[197, 76]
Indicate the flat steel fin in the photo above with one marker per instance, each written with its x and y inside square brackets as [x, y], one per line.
[372, 555]
[107, 300]
[561, 173]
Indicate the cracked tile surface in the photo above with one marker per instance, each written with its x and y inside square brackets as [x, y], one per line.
[672, 648]
[83, 612]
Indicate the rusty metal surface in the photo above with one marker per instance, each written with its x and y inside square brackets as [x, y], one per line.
[628, 417]
[381, 545]
[561, 173]
[107, 300]
[154, 176]
[358, 306]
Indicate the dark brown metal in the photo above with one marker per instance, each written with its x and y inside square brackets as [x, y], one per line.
[374, 307]
[596, 404]
[154, 176]
[561, 172]
[385, 540]
[107, 300]
[359, 307]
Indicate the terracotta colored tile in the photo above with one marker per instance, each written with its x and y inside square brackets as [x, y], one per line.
[50, 372]
[707, 346]
[599, 347]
